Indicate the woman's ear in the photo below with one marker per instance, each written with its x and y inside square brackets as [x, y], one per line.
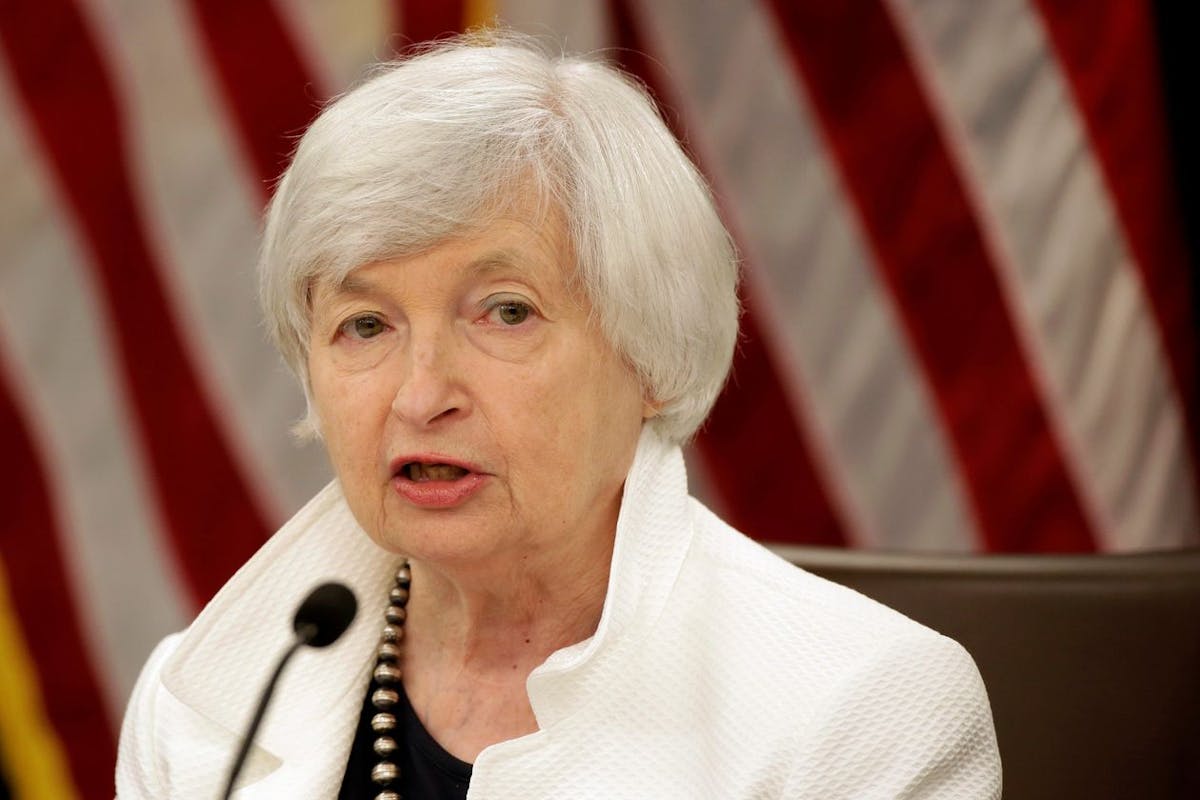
[651, 408]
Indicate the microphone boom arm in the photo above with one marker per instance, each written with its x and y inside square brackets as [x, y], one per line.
[259, 713]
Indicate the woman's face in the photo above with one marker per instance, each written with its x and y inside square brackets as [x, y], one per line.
[468, 406]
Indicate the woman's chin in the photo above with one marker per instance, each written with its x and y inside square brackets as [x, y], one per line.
[445, 539]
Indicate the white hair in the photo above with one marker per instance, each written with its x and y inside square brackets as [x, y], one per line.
[438, 144]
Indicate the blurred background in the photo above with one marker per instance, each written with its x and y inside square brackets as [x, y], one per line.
[969, 323]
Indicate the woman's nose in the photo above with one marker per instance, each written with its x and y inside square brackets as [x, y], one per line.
[430, 389]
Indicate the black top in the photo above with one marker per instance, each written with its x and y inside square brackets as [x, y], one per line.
[427, 772]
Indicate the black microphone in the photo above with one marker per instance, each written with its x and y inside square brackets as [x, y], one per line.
[323, 616]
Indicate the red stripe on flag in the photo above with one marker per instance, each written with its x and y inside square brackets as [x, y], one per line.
[423, 20]
[213, 522]
[931, 254]
[42, 596]
[263, 79]
[752, 423]
[1108, 53]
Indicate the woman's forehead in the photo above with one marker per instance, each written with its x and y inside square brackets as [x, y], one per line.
[508, 247]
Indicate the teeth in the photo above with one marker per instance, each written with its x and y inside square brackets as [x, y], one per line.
[434, 472]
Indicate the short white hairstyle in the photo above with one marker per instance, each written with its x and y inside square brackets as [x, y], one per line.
[438, 144]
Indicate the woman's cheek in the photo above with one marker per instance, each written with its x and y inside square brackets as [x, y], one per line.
[351, 357]
[513, 345]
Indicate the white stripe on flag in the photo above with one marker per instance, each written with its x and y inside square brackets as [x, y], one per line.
[55, 339]
[340, 39]
[583, 26]
[813, 283]
[200, 206]
[1073, 288]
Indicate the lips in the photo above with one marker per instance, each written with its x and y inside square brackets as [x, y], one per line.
[434, 481]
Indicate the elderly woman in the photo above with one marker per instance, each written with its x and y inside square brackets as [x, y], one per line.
[509, 299]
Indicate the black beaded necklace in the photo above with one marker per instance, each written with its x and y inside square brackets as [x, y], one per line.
[386, 697]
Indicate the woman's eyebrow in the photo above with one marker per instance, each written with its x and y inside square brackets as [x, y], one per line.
[500, 261]
[355, 284]
[487, 264]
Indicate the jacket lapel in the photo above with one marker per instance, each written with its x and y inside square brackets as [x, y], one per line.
[230, 650]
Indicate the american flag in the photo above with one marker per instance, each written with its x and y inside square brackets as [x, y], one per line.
[968, 324]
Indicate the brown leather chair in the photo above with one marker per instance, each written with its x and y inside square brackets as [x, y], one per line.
[1092, 663]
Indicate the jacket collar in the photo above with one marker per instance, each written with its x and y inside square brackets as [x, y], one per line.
[229, 651]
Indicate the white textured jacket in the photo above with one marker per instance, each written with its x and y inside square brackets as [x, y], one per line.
[717, 671]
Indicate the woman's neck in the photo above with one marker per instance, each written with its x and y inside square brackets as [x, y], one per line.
[511, 611]
[473, 636]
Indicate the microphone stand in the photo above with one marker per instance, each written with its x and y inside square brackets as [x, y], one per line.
[305, 634]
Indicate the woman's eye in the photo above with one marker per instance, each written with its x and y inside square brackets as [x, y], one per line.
[512, 312]
[364, 327]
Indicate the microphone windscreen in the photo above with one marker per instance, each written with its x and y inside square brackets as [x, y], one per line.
[325, 614]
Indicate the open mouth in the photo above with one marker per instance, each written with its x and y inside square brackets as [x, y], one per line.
[436, 481]
[423, 473]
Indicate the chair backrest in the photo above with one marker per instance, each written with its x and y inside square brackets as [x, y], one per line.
[1092, 663]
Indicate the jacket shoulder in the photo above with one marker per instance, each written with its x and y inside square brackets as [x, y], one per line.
[788, 597]
[865, 701]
